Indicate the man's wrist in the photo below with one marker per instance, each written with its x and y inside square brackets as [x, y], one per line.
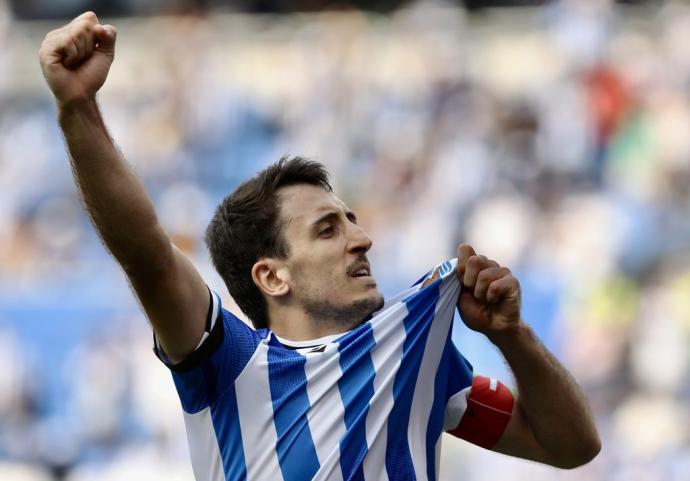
[80, 114]
[511, 336]
[81, 105]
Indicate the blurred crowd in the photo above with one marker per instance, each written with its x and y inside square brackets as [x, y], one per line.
[555, 139]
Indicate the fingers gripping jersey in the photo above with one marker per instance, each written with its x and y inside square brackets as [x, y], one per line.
[370, 404]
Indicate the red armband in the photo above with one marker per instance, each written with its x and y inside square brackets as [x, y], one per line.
[489, 407]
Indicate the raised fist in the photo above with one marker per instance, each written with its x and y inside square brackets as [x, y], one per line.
[75, 59]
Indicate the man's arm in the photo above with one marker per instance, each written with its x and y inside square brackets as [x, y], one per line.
[75, 60]
[551, 421]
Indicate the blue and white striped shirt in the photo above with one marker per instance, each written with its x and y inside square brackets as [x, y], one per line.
[369, 404]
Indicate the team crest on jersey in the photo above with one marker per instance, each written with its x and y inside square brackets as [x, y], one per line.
[440, 271]
[434, 275]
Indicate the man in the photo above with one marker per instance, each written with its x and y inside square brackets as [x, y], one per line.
[333, 382]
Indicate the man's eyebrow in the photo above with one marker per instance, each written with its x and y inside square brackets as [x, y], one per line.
[332, 216]
[328, 216]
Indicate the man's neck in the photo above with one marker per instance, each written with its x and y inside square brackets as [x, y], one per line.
[295, 325]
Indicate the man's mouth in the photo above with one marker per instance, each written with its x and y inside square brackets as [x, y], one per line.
[363, 272]
[360, 270]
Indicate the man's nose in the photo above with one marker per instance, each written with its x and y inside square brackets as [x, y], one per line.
[359, 241]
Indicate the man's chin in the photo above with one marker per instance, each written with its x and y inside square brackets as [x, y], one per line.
[380, 301]
[349, 315]
[372, 305]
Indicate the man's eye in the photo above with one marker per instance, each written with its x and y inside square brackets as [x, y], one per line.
[327, 231]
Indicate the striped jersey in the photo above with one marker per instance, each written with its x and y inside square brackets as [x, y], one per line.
[370, 404]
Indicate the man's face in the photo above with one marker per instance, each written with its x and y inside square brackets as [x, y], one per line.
[330, 275]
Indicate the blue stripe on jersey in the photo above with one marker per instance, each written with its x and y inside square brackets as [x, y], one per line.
[288, 382]
[461, 368]
[226, 423]
[435, 426]
[421, 309]
[356, 388]
[192, 390]
[198, 388]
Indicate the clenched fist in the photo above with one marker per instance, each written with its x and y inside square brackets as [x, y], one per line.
[489, 300]
[75, 59]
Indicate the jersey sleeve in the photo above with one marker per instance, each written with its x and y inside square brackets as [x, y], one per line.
[210, 370]
[478, 408]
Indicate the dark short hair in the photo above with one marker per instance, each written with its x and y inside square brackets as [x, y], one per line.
[246, 227]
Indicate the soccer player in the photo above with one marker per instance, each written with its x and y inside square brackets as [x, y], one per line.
[333, 382]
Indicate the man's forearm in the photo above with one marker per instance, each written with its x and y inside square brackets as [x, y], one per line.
[114, 197]
[554, 406]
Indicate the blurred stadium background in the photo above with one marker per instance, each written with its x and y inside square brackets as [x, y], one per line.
[555, 137]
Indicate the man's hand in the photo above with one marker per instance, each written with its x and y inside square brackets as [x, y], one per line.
[75, 59]
[489, 300]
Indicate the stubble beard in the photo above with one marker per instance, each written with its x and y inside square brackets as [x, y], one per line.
[344, 316]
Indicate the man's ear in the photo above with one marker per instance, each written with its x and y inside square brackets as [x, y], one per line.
[271, 277]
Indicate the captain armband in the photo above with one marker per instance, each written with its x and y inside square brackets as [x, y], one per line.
[487, 413]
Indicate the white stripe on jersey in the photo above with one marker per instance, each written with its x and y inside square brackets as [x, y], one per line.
[259, 437]
[424, 392]
[207, 463]
[386, 355]
[455, 409]
[325, 417]
[215, 307]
